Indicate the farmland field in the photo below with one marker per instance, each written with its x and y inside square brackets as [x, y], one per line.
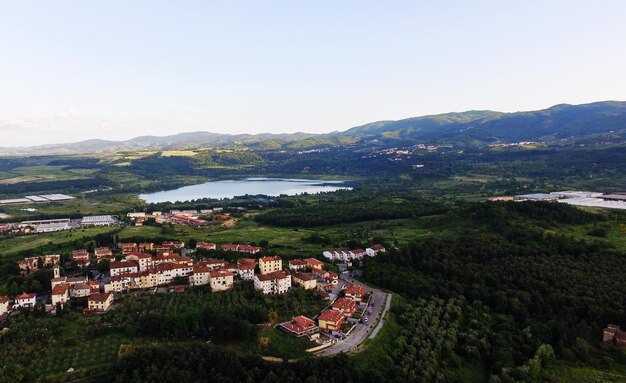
[43, 173]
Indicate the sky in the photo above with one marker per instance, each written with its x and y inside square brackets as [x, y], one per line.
[117, 69]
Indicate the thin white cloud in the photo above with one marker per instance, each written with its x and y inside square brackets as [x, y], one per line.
[63, 127]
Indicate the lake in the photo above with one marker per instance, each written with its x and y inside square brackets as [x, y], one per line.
[251, 186]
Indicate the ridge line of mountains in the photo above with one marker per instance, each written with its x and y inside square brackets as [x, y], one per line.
[605, 119]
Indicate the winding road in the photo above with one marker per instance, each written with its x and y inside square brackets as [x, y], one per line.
[382, 303]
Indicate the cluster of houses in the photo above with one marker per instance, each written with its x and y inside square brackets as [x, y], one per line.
[62, 289]
[332, 319]
[180, 217]
[147, 265]
[30, 264]
[350, 255]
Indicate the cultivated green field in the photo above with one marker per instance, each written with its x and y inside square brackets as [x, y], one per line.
[43, 173]
[88, 204]
[35, 241]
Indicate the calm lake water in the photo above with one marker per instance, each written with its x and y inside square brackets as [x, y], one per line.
[251, 186]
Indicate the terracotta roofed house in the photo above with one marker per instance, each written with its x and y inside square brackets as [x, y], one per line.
[26, 300]
[331, 320]
[355, 292]
[277, 282]
[146, 246]
[123, 267]
[60, 294]
[80, 255]
[103, 253]
[270, 264]
[344, 305]
[307, 281]
[297, 264]
[100, 302]
[374, 250]
[221, 280]
[300, 326]
[314, 263]
[200, 275]
[81, 290]
[358, 253]
[240, 248]
[213, 263]
[144, 260]
[128, 247]
[206, 245]
[245, 268]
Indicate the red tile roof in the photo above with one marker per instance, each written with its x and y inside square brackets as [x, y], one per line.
[60, 289]
[99, 297]
[80, 253]
[303, 276]
[205, 245]
[275, 275]
[26, 296]
[297, 262]
[123, 264]
[270, 259]
[299, 324]
[140, 255]
[313, 261]
[200, 269]
[344, 304]
[221, 273]
[331, 316]
[82, 286]
[355, 290]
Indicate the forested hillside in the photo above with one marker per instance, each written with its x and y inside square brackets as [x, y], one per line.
[509, 292]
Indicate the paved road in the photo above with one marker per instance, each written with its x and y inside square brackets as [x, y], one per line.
[361, 332]
[381, 322]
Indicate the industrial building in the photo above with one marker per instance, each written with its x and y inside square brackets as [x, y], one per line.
[98, 220]
[44, 198]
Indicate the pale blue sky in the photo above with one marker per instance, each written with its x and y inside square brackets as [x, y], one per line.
[71, 70]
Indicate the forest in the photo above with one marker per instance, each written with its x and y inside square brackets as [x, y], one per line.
[519, 292]
[334, 212]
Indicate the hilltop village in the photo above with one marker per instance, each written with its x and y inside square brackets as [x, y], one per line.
[171, 267]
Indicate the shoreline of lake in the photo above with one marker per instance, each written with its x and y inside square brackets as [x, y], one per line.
[220, 189]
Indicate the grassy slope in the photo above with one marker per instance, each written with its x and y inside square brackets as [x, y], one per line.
[32, 242]
[83, 205]
[562, 373]
[43, 173]
[376, 354]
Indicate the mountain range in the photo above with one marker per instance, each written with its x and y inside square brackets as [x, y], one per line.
[466, 128]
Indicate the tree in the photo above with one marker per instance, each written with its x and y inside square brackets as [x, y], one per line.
[36, 286]
[103, 266]
[272, 316]
[192, 242]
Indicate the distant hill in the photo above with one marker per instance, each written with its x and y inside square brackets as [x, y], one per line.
[557, 122]
[469, 128]
[176, 141]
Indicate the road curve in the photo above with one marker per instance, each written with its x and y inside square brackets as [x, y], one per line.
[382, 303]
